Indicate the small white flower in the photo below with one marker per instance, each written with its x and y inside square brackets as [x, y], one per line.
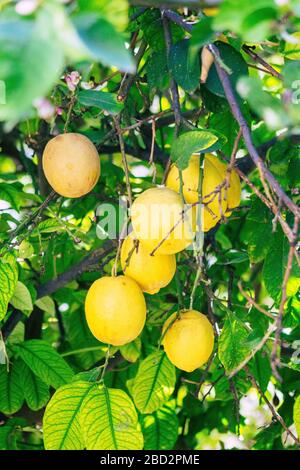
[72, 80]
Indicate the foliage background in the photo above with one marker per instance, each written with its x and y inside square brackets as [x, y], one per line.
[65, 67]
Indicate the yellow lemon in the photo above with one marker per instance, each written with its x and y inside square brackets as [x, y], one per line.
[71, 164]
[160, 221]
[115, 310]
[292, 49]
[234, 190]
[188, 340]
[212, 177]
[150, 272]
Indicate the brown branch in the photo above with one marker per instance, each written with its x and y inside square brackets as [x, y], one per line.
[252, 302]
[254, 56]
[128, 79]
[173, 84]
[275, 355]
[275, 414]
[124, 159]
[29, 223]
[52, 286]
[237, 113]
[176, 18]
[255, 350]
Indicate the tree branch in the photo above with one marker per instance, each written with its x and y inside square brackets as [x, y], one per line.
[275, 415]
[237, 113]
[51, 286]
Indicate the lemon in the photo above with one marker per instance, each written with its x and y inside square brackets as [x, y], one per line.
[158, 221]
[71, 164]
[213, 176]
[150, 272]
[188, 340]
[292, 49]
[115, 310]
[234, 189]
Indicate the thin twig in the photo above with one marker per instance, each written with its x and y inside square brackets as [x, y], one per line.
[124, 159]
[275, 414]
[255, 350]
[252, 302]
[275, 355]
[237, 113]
[249, 50]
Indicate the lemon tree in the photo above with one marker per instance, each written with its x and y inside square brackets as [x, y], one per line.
[149, 220]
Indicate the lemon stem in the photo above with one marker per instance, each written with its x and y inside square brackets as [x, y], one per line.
[104, 367]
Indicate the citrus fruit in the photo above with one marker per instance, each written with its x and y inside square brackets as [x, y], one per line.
[188, 340]
[212, 178]
[292, 49]
[150, 272]
[160, 221]
[115, 309]
[234, 190]
[71, 164]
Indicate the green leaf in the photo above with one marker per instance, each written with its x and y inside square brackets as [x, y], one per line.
[11, 392]
[103, 42]
[157, 71]
[45, 362]
[233, 348]
[154, 382]
[100, 99]
[226, 125]
[264, 104]
[189, 142]
[275, 266]
[257, 229]
[8, 433]
[8, 281]
[26, 250]
[109, 421]
[131, 351]
[202, 33]
[39, 60]
[80, 338]
[252, 20]
[46, 304]
[21, 298]
[36, 392]
[50, 226]
[115, 11]
[184, 66]
[152, 27]
[12, 193]
[296, 414]
[234, 61]
[160, 429]
[61, 425]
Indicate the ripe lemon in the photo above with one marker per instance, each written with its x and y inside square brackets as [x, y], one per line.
[157, 220]
[212, 178]
[115, 310]
[150, 272]
[234, 190]
[71, 164]
[292, 49]
[188, 340]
